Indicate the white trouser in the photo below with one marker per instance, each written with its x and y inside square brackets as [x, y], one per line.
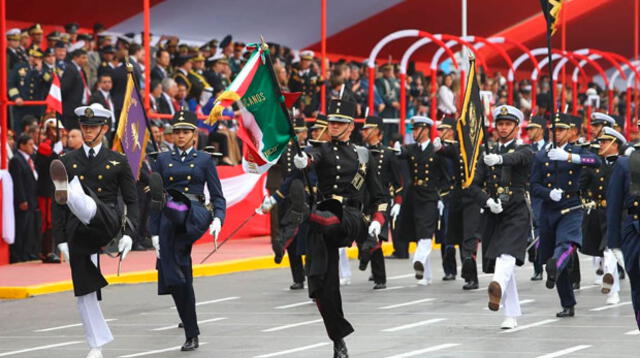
[611, 266]
[597, 263]
[79, 203]
[505, 275]
[423, 254]
[96, 330]
[344, 267]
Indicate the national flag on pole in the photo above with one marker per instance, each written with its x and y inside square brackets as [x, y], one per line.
[132, 134]
[54, 98]
[470, 126]
[264, 126]
[551, 10]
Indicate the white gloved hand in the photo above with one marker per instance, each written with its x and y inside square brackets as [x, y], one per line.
[375, 228]
[397, 148]
[492, 159]
[619, 257]
[301, 160]
[628, 151]
[558, 154]
[64, 251]
[214, 229]
[268, 203]
[556, 194]
[395, 211]
[494, 205]
[155, 241]
[440, 207]
[437, 144]
[124, 246]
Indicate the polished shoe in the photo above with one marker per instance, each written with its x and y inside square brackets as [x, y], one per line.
[397, 257]
[297, 286]
[566, 312]
[552, 272]
[51, 259]
[180, 325]
[599, 271]
[495, 295]
[607, 283]
[575, 285]
[613, 299]
[470, 285]
[509, 323]
[95, 353]
[33, 257]
[190, 344]
[340, 349]
[537, 277]
[621, 273]
[60, 180]
[449, 277]
[418, 267]
[380, 286]
[371, 278]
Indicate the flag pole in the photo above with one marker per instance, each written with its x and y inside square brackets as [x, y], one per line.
[550, 68]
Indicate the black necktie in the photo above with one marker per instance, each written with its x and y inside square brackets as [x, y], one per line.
[183, 155]
[92, 153]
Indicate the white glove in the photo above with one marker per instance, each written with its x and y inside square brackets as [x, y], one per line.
[494, 206]
[301, 160]
[619, 257]
[492, 159]
[558, 154]
[268, 203]
[395, 211]
[215, 228]
[556, 194]
[374, 228]
[628, 151]
[440, 207]
[437, 144]
[58, 147]
[155, 241]
[397, 148]
[64, 250]
[124, 246]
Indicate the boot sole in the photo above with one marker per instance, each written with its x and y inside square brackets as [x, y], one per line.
[156, 191]
[495, 295]
[419, 268]
[60, 181]
[607, 283]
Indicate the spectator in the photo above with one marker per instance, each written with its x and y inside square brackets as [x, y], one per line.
[75, 91]
[389, 90]
[446, 98]
[161, 70]
[102, 95]
[74, 140]
[167, 103]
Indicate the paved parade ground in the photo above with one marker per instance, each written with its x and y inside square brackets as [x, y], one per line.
[253, 314]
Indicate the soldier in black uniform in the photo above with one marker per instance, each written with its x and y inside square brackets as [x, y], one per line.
[181, 75]
[345, 171]
[87, 216]
[197, 79]
[180, 216]
[15, 53]
[25, 83]
[535, 132]
[500, 186]
[306, 80]
[389, 175]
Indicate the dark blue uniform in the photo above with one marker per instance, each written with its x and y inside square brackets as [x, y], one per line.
[25, 82]
[536, 206]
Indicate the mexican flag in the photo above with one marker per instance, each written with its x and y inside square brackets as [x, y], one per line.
[264, 126]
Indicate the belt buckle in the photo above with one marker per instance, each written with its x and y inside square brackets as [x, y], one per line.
[603, 203]
[338, 198]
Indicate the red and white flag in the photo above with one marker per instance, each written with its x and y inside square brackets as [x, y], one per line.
[54, 98]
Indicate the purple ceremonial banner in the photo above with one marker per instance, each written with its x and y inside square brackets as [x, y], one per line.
[132, 135]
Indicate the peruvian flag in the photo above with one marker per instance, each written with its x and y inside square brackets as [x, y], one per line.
[54, 98]
[264, 125]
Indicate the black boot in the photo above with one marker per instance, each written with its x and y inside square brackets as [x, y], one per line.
[471, 285]
[190, 344]
[340, 349]
[537, 276]
[566, 312]
[156, 191]
[552, 272]
[297, 286]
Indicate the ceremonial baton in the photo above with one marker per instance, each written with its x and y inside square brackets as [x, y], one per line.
[119, 264]
[590, 205]
[218, 246]
[532, 243]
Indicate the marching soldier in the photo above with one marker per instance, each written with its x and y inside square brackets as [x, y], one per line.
[446, 130]
[420, 213]
[555, 179]
[500, 185]
[87, 217]
[180, 216]
[345, 171]
[598, 122]
[25, 83]
[594, 183]
[535, 133]
[306, 80]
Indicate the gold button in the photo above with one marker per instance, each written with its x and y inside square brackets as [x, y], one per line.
[597, 170]
[635, 217]
[570, 182]
[107, 166]
[188, 177]
[415, 170]
[99, 190]
[635, 203]
[338, 167]
[431, 159]
[570, 172]
[192, 165]
[186, 189]
[548, 175]
[601, 179]
[75, 166]
[510, 192]
[549, 185]
[600, 187]
[100, 176]
[546, 164]
[170, 178]
[567, 196]
[335, 186]
[82, 177]
[170, 165]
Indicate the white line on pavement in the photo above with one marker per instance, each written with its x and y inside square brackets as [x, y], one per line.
[588, 287]
[166, 328]
[523, 302]
[40, 348]
[176, 348]
[415, 324]
[565, 351]
[635, 332]
[391, 288]
[406, 304]
[68, 326]
[401, 276]
[280, 328]
[531, 325]
[294, 350]
[426, 350]
[604, 308]
[212, 301]
[294, 305]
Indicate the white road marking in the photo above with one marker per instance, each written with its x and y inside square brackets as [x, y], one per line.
[166, 328]
[522, 302]
[401, 276]
[426, 350]
[565, 351]
[406, 304]
[607, 307]
[391, 288]
[415, 324]
[40, 348]
[294, 350]
[635, 332]
[280, 328]
[176, 348]
[587, 287]
[531, 325]
[294, 305]
[212, 301]
[68, 326]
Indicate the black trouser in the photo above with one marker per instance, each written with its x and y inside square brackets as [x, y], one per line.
[574, 268]
[295, 262]
[185, 301]
[329, 301]
[377, 267]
